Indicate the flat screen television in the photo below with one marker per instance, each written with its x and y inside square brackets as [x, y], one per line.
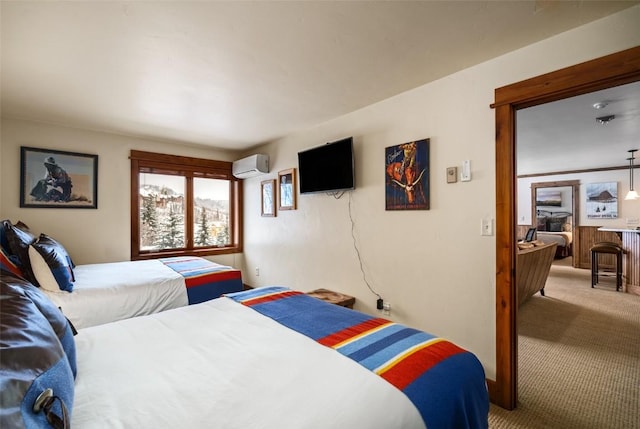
[327, 168]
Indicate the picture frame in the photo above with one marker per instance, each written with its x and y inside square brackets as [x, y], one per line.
[267, 198]
[407, 174]
[548, 197]
[287, 189]
[58, 179]
[602, 200]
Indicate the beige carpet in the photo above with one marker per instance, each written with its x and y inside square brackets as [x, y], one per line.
[579, 356]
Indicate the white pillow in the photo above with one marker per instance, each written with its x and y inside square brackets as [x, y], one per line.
[42, 272]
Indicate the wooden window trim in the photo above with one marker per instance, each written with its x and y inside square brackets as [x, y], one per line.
[189, 168]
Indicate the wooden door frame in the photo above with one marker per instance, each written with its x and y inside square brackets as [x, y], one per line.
[605, 72]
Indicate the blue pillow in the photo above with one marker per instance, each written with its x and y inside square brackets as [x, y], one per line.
[32, 360]
[59, 323]
[7, 264]
[4, 242]
[20, 238]
[51, 259]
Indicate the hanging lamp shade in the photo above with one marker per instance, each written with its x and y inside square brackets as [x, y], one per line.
[632, 194]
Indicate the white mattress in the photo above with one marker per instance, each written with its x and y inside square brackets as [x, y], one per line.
[220, 364]
[107, 292]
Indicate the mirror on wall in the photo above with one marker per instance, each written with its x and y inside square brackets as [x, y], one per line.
[555, 214]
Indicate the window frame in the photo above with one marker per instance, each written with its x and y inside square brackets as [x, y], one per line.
[189, 168]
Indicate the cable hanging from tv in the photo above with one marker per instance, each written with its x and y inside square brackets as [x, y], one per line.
[355, 246]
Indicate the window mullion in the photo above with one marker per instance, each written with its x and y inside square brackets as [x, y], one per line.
[189, 213]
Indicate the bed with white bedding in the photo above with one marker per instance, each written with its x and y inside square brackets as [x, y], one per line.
[282, 361]
[93, 294]
[264, 358]
[114, 291]
[563, 239]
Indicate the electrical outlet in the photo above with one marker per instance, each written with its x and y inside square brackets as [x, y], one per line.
[257, 272]
[386, 309]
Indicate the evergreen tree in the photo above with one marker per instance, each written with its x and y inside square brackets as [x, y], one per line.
[222, 238]
[172, 236]
[202, 238]
[149, 221]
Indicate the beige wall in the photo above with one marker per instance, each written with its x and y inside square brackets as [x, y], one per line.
[434, 267]
[90, 236]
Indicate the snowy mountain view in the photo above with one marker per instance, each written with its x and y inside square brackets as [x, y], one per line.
[162, 219]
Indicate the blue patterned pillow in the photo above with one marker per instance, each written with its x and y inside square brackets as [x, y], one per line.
[4, 242]
[51, 265]
[20, 238]
[7, 264]
[32, 360]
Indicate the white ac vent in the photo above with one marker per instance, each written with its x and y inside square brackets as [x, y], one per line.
[251, 166]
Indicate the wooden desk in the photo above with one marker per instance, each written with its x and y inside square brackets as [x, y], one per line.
[332, 297]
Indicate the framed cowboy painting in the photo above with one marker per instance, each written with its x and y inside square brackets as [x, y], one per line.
[57, 179]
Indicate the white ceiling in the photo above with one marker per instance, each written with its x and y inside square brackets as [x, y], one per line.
[565, 135]
[234, 74]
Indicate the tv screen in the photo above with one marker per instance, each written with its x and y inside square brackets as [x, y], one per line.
[327, 168]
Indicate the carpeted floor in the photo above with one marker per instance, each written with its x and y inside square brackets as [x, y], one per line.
[578, 356]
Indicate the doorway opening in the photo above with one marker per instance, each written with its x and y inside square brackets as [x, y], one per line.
[609, 71]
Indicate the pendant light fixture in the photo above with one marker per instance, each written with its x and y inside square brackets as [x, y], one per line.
[632, 194]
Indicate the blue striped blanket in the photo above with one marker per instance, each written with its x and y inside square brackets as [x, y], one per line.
[204, 279]
[445, 382]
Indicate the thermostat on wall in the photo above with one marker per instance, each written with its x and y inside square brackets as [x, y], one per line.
[465, 173]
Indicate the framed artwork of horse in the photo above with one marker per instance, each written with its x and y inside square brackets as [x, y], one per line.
[57, 179]
[407, 176]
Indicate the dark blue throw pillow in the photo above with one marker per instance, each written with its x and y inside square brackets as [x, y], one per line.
[4, 242]
[20, 238]
[51, 264]
[32, 361]
[59, 323]
[8, 264]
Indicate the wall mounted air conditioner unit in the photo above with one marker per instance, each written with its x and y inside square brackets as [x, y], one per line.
[251, 166]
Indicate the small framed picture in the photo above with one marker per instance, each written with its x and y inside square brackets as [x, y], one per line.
[452, 174]
[57, 179]
[267, 192]
[287, 187]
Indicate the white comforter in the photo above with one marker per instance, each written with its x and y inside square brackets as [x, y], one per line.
[222, 365]
[106, 292]
[563, 238]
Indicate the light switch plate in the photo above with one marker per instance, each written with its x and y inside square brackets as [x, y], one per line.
[487, 226]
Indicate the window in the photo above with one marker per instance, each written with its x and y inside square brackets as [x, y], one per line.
[183, 206]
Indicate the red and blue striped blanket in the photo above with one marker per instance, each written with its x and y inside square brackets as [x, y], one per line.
[445, 382]
[204, 279]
